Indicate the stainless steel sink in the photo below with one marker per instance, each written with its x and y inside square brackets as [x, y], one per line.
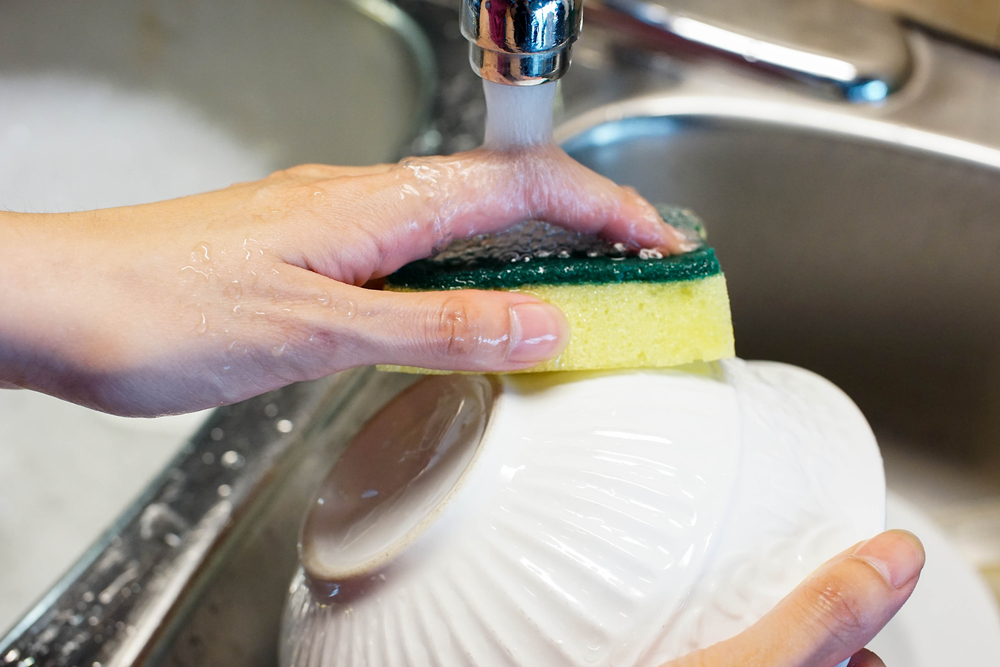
[277, 82]
[870, 263]
[312, 81]
[860, 242]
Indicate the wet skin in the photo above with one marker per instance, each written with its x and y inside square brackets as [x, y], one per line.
[211, 299]
[206, 300]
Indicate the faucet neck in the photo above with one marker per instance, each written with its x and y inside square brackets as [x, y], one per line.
[521, 42]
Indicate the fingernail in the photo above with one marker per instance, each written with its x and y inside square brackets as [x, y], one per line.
[538, 332]
[896, 554]
[687, 239]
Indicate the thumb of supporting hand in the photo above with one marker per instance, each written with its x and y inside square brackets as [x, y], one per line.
[832, 614]
[463, 330]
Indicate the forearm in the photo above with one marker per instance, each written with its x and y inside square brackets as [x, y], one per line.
[54, 290]
[18, 244]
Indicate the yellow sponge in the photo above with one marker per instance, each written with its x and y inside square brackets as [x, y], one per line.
[624, 310]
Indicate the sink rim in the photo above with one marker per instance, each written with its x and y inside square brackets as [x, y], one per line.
[578, 130]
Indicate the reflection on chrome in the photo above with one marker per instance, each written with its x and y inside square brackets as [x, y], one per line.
[858, 53]
[521, 42]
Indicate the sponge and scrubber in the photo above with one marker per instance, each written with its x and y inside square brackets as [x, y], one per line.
[625, 310]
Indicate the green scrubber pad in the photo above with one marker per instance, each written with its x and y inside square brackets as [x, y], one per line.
[625, 310]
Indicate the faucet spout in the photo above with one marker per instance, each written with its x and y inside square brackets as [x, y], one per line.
[521, 42]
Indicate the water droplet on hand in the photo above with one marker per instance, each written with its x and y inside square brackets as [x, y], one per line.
[192, 270]
[201, 253]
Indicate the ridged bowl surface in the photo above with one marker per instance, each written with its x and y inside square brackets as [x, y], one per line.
[614, 519]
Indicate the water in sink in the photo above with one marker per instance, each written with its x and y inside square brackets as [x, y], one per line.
[70, 143]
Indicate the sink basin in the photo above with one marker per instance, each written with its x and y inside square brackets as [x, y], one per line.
[871, 263]
[311, 81]
[859, 242]
[109, 102]
[867, 259]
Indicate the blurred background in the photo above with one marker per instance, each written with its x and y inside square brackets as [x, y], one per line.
[858, 224]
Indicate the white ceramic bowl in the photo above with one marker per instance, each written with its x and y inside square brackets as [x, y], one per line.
[578, 519]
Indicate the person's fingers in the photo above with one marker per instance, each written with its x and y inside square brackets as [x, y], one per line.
[461, 330]
[482, 191]
[408, 211]
[833, 613]
[458, 330]
[865, 658]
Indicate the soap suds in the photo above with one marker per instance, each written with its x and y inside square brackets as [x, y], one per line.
[69, 143]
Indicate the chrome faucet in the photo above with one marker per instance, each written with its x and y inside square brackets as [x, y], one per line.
[841, 46]
[856, 52]
[521, 42]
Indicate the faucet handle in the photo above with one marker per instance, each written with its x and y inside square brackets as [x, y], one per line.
[521, 42]
[858, 52]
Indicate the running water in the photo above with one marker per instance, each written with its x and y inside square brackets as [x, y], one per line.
[518, 116]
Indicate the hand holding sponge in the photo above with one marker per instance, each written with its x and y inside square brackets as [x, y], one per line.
[626, 310]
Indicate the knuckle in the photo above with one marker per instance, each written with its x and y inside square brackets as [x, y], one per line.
[453, 325]
[838, 608]
[281, 174]
[426, 177]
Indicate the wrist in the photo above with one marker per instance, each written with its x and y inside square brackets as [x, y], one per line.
[40, 284]
[19, 257]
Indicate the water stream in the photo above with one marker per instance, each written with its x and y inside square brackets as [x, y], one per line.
[518, 116]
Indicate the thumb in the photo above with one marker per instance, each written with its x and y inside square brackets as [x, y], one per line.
[463, 330]
[832, 614]
[865, 658]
